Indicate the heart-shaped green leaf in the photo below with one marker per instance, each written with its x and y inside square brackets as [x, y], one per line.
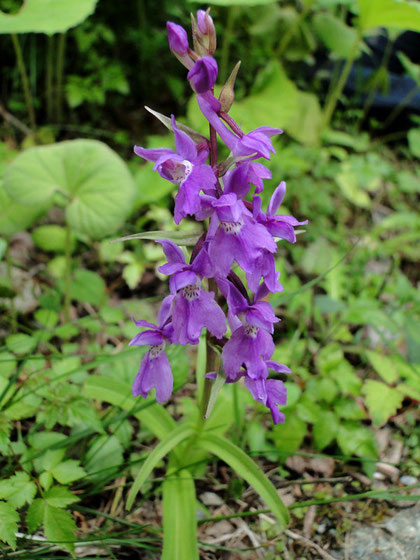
[46, 16]
[88, 178]
[15, 217]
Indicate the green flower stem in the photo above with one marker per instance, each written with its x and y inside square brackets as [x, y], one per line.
[61, 52]
[25, 81]
[336, 92]
[67, 278]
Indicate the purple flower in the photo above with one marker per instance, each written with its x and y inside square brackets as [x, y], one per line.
[186, 168]
[203, 74]
[279, 225]
[155, 369]
[239, 179]
[234, 235]
[270, 393]
[254, 144]
[178, 43]
[250, 346]
[193, 307]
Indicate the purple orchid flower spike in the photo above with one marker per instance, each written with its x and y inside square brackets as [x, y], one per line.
[256, 143]
[185, 168]
[193, 307]
[279, 225]
[155, 370]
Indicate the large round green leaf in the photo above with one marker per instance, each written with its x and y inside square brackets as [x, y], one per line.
[91, 181]
[15, 217]
[47, 16]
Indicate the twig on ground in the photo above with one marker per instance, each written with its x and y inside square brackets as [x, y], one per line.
[308, 542]
[8, 117]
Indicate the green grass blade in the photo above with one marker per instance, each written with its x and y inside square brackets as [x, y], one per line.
[163, 448]
[105, 389]
[247, 469]
[179, 518]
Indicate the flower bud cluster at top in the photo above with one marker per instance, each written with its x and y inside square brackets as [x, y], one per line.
[240, 233]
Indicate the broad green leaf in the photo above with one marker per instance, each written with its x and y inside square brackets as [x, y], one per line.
[335, 34]
[348, 182]
[21, 343]
[389, 13]
[153, 416]
[60, 496]
[47, 317]
[35, 515]
[355, 439]
[179, 237]
[16, 217]
[325, 429]
[245, 467]
[289, 436]
[166, 445]
[18, 490]
[384, 366]
[87, 286]
[46, 16]
[52, 238]
[8, 364]
[9, 519]
[382, 401]
[85, 176]
[348, 409]
[179, 517]
[59, 527]
[68, 471]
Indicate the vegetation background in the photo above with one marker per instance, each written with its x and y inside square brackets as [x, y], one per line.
[342, 78]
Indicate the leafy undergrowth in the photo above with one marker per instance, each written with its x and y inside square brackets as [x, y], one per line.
[72, 438]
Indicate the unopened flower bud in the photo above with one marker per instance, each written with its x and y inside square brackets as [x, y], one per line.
[227, 95]
[203, 74]
[204, 33]
[177, 38]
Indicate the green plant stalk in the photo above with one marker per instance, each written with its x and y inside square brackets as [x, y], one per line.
[287, 37]
[49, 77]
[67, 278]
[25, 81]
[332, 100]
[61, 52]
[401, 106]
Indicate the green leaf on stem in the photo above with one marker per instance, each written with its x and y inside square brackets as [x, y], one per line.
[180, 237]
[389, 13]
[179, 517]
[161, 450]
[239, 461]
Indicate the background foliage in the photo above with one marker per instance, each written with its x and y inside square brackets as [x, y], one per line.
[74, 83]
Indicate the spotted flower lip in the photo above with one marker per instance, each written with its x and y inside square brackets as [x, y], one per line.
[184, 167]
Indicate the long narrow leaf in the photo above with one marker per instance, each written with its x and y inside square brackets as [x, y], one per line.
[163, 448]
[179, 518]
[247, 469]
[105, 389]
